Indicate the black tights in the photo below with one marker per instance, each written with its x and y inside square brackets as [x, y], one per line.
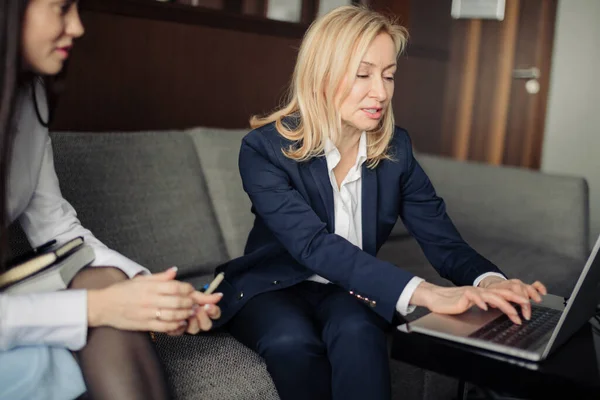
[118, 364]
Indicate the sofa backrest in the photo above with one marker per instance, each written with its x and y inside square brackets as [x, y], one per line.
[174, 198]
[218, 150]
[546, 211]
[144, 195]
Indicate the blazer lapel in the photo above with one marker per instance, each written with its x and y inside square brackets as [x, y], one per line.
[318, 169]
[369, 209]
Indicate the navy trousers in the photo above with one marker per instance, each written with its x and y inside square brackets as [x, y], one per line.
[318, 341]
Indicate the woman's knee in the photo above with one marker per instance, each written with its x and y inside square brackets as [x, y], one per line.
[97, 278]
[291, 346]
[354, 329]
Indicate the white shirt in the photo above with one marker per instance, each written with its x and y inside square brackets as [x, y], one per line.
[34, 198]
[347, 202]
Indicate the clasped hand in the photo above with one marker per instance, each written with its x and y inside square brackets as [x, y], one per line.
[156, 303]
[492, 291]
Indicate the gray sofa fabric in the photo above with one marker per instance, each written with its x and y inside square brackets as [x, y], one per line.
[218, 150]
[175, 198]
[557, 272]
[143, 194]
[214, 366]
[544, 211]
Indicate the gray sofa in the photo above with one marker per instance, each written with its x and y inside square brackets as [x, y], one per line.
[175, 198]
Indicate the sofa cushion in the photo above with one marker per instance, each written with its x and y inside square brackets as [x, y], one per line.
[545, 211]
[218, 150]
[557, 272]
[144, 195]
[214, 366]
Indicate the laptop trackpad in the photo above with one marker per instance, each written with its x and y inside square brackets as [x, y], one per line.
[459, 325]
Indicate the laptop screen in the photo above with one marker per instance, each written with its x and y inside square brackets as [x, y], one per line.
[582, 304]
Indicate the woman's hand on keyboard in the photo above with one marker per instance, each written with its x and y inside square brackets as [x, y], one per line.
[456, 300]
[535, 291]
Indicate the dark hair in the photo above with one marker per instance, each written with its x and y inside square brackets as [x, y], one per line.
[11, 24]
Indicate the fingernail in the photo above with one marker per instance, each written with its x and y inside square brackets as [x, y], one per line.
[173, 268]
[207, 307]
[218, 294]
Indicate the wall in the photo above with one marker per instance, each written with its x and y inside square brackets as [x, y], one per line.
[572, 136]
[130, 73]
[149, 65]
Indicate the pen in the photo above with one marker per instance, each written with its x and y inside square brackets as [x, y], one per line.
[209, 288]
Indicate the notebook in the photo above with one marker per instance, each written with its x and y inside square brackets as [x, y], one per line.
[49, 267]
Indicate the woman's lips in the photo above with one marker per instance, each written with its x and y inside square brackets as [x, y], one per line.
[373, 113]
[64, 51]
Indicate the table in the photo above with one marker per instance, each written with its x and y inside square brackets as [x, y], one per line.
[572, 372]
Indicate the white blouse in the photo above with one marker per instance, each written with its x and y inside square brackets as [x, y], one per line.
[34, 198]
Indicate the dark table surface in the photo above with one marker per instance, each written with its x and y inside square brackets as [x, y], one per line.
[572, 372]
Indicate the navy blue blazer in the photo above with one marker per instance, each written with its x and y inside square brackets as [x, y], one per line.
[293, 234]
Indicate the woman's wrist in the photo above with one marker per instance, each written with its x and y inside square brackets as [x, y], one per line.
[489, 280]
[422, 294]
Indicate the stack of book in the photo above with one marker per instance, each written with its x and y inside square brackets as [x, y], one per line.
[48, 268]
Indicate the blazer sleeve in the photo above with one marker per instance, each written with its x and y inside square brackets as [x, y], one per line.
[298, 228]
[424, 215]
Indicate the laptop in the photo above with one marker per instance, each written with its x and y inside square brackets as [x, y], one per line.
[552, 322]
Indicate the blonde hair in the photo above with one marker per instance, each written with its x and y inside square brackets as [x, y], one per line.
[333, 45]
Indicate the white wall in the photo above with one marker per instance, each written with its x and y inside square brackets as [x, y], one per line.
[290, 10]
[284, 10]
[327, 5]
[572, 135]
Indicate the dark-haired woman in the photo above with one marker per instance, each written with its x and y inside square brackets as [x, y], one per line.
[104, 315]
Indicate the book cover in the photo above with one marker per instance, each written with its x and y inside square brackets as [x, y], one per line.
[39, 260]
[57, 276]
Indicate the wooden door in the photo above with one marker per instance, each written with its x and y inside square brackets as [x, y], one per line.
[455, 90]
[497, 86]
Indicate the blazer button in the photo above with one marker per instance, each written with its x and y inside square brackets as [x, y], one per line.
[372, 303]
[275, 282]
[241, 295]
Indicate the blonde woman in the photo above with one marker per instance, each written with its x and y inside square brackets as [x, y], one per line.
[328, 174]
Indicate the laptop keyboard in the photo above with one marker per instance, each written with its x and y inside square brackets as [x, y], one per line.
[505, 332]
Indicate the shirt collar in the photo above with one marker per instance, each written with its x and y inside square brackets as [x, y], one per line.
[332, 154]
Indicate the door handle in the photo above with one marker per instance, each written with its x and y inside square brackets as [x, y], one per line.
[526, 73]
